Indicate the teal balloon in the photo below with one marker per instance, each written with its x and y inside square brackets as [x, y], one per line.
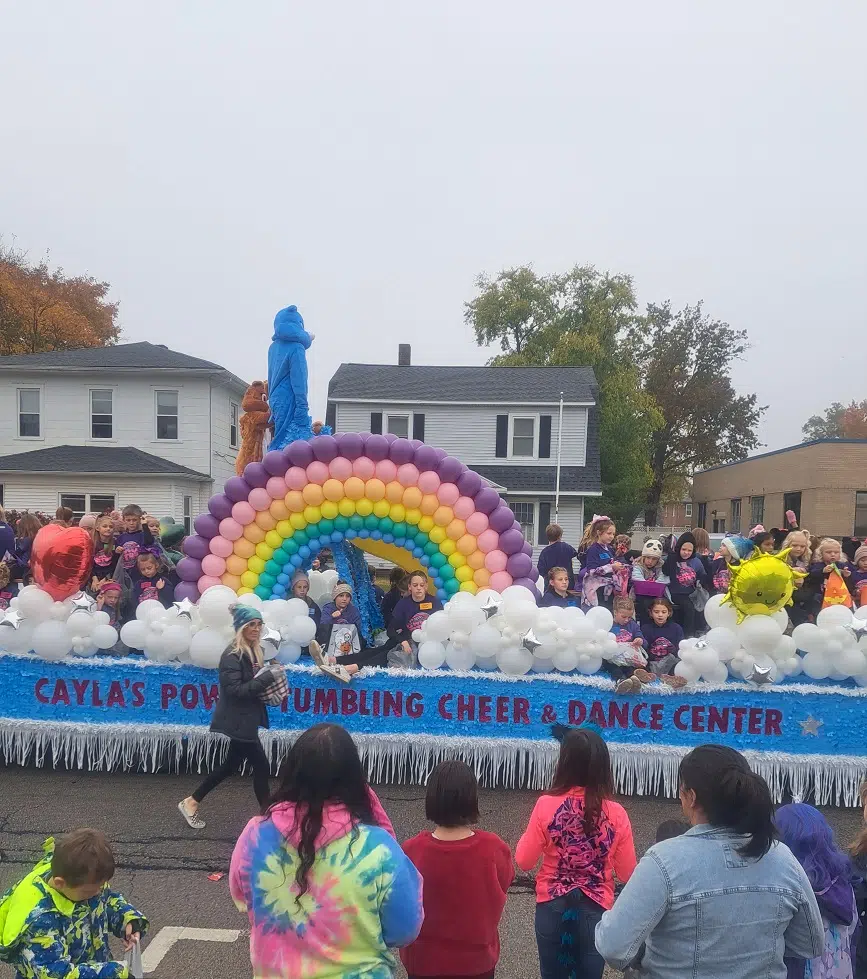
[371, 522]
[446, 571]
[386, 525]
[356, 522]
[268, 580]
[341, 523]
[326, 526]
[274, 567]
[421, 539]
[399, 529]
[262, 592]
[301, 537]
[290, 547]
[438, 560]
[451, 586]
[430, 548]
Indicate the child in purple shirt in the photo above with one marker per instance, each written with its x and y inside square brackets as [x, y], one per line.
[134, 538]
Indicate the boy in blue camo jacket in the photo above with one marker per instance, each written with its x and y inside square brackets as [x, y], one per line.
[55, 923]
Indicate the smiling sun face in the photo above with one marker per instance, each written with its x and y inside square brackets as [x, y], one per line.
[762, 585]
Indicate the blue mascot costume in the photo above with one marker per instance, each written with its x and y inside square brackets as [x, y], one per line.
[287, 378]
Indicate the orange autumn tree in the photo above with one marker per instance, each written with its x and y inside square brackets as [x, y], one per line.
[44, 309]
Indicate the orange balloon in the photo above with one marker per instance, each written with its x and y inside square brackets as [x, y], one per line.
[412, 497]
[254, 533]
[429, 505]
[394, 491]
[476, 560]
[443, 516]
[265, 520]
[245, 548]
[236, 565]
[482, 577]
[312, 494]
[467, 545]
[294, 501]
[374, 490]
[232, 580]
[456, 529]
[354, 488]
[332, 489]
[278, 510]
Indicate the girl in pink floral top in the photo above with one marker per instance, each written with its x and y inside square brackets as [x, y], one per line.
[583, 838]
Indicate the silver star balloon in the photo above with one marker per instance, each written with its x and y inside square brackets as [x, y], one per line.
[271, 635]
[530, 642]
[491, 607]
[858, 627]
[83, 602]
[701, 644]
[11, 617]
[811, 726]
[760, 675]
[184, 607]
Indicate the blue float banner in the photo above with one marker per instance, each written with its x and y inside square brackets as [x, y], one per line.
[796, 719]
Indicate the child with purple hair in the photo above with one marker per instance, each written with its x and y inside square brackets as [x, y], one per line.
[807, 834]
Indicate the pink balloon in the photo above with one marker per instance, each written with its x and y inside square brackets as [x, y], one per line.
[296, 478]
[276, 487]
[488, 540]
[364, 467]
[463, 507]
[231, 529]
[317, 472]
[213, 565]
[500, 580]
[496, 560]
[477, 523]
[448, 494]
[220, 546]
[243, 513]
[340, 468]
[428, 482]
[386, 470]
[259, 498]
[207, 581]
[407, 474]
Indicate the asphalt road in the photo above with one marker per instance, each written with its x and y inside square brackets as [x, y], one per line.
[164, 866]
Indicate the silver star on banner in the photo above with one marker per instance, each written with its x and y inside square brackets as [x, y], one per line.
[184, 608]
[491, 607]
[760, 675]
[530, 642]
[271, 635]
[83, 603]
[811, 725]
[12, 617]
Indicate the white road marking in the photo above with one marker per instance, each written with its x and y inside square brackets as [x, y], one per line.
[166, 938]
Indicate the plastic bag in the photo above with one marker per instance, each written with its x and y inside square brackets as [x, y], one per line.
[699, 597]
[132, 958]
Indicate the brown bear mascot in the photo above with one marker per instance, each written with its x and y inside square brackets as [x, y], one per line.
[254, 421]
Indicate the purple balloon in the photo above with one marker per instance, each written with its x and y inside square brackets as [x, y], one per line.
[400, 451]
[502, 520]
[426, 458]
[487, 499]
[187, 589]
[189, 569]
[207, 525]
[324, 448]
[237, 489]
[275, 462]
[256, 474]
[469, 483]
[376, 447]
[351, 446]
[389, 437]
[221, 506]
[450, 469]
[527, 583]
[299, 453]
[511, 541]
[519, 566]
[441, 454]
[416, 443]
[196, 547]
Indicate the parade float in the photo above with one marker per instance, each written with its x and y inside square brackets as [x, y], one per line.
[496, 672]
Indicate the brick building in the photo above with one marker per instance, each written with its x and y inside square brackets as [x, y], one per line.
[824, 482]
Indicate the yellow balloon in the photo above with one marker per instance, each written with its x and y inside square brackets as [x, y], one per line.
[236, 565]
[437, 535]
[457, 560]
[426, 524]
[312, 514]
[297, 521]
[467, 545]
[284, 529]
[464, 572]
[413, 516]
[443, 516]
[394, 491]
[253, 532]
[312, 494]
[243, 590]
[329, 510]
[294, 501]
[273, 539]
[475, 560]
[448, 547]
[397, 512]
[256, 565]
[279, 510]
[469, 586]
[429, 504]
[381, 508]
[346, 507]
[265, 520]
[456, 529]
[264, 552]
[249, 580]
[364, 508]
[481, 576]
[244, 548]
[354, 489]
[374, 489]
[412, 497]
[332, 489]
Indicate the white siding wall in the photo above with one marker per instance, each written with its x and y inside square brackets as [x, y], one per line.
[223, 455]
[571, 519]
[469, 432]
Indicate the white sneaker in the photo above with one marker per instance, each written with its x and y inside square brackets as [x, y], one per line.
[193, 819]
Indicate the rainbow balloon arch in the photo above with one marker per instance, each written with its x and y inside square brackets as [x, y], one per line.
[402, 500]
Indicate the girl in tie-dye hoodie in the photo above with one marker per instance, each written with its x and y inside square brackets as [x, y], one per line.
[326, 886]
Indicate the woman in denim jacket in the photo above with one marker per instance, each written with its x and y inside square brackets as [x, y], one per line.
[723, 901]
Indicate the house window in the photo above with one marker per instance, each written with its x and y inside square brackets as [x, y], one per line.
[188, 514]
[233, 425]
[2, 495]
[523, 437]
[77, 502]
[167, 415]
[757, 510]
[736, 516]
[101, 503]
[791, 501]
[29, 418]
[861, 514]
[687, 510]
[101, 403]
[525, 514]
[81, 503]
[702, 515]
[719, 525]
[397, 425]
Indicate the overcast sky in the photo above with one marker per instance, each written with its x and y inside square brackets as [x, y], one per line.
[215, 161]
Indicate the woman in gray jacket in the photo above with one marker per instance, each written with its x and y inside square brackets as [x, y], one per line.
[723, 901]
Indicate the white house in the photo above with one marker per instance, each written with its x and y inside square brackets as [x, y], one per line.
[107, 426]
[503, 422]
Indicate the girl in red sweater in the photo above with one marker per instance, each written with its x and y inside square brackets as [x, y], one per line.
[459, 938]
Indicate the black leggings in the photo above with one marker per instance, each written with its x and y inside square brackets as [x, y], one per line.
[685, 615]
[251, 751]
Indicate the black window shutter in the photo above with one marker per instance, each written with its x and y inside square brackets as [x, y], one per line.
[544, 520]
[502, 447]
[418, 426]
[376, 422]
[331, 415]
[544, 436]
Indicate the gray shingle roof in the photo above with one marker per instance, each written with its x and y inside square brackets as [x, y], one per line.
[514, 385]
[94, 459]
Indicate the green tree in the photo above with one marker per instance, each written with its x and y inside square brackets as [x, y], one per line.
[839, 422]
[685, 359]
[580, 318]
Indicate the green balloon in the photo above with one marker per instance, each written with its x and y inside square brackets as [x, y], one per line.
[290, 547]
[421, 539]
[438, 560]
[399, 529]
[386, 525]
[325, 526]
[430, 548]
[264, 593]
[272, 566]
[301, 537]
[341, 523]
[356, 522]
[446, 571]
[268, 580]
[371, 522]
[451, 586]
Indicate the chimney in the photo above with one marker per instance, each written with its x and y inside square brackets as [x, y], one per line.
[404, 355]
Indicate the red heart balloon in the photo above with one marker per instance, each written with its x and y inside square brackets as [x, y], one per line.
[60, 560]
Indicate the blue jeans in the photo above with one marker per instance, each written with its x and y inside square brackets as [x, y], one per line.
[565, 937]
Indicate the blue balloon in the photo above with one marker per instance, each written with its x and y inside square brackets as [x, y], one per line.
[282, 579]
[304, 552]
[399, 541]
[388, 538]
[375, 535]
[418, 552]
[336, 536]
[296, 560]
[425, 560]
[350, 534]
[441, 595]
[438, 582]
[279, 591]
[409, 545]
[364, 534]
